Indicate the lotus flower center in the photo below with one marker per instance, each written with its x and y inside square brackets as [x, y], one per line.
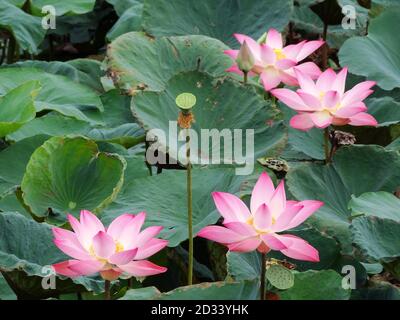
[279, 54]
[250, 221]
[119, 247]
[92, 253]
[331, 110]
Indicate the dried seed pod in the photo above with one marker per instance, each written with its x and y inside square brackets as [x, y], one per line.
[341, 138]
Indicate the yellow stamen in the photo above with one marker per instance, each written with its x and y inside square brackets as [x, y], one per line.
[92, 253]
[119, 247]
[279, 54]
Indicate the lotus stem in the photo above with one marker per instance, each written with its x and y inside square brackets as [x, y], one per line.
[189, 207]
[107, 291]
[326, 146]
[262, 276]
[245, 77]
[325, 48]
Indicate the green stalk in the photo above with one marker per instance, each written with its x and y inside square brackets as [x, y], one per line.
[107, 291]
[245, 77]
[189, 205]
[325, 48]
[263, 270]
[326, 145]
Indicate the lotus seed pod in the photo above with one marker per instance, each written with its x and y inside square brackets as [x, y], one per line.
[280, 277]
[185, 101]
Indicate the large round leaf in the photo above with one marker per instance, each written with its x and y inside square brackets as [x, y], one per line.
[13, 161]
[217, 19]
[26, 29]
[26, 253]
[163, 197]
[355, 170]
[380, 51]
[316, 285]
[385, 110]
[130, 17]
[378, 238]
[380, 204]
[17, 107]
[58, 92]
[223, 290]
[118, 124]
[309, 143]
[137, 62]
[225, 108]
[84, 71]
[63, 7]
[69, 175]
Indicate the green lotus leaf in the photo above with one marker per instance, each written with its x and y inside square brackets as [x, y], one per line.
[301, 145]
[26, 254]
[379, 6]
[66, 175]
[26, 29]
[163, 198]
[305, 19]
[217, 19]
[120, 6]
[61, 7]
[335, 184]
[84, 71]
[137, 62]
[378, 290]
[117, 124]
[17, 3]
[130, 17]
[17, 107]
[13, 161]
[331, 11]
[243, 266]
[394, 145]
[306, 144]
[378, 238]
[372, 268]
[385, 110]
[222, 290]
[58, 92]
[316, 285]
[6, 292]
[379, 51]
[219, 107]
[380, 204]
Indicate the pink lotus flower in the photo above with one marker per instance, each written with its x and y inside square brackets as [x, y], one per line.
[273, 62]
[325, 102]
[120, 248]
[247, 230]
